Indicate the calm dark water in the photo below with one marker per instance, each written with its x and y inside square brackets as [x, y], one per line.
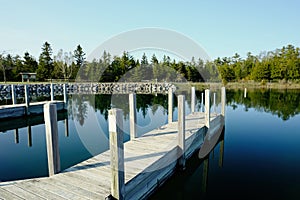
[257, 157]
[261, 152]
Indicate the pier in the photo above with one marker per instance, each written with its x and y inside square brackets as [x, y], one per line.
[26, 92]
[131, 170]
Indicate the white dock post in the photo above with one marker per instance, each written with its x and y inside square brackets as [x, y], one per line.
[207, 108]
[53, 155]
[170, 105]
[13, 94]
[215, 106]
[65, 93]
[223, 101]
[193, 99]
[181, 132]
[116, 153]
[132, 115]
[245, 93]
[27, 99]
[202, 103]
[52, 92]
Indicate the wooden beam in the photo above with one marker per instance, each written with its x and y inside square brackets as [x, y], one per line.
[207, 108]
[115, 126]
[181, 132]
[223, 101]
[132, 115]
[53, 155]
[193, 99]
[170, 105]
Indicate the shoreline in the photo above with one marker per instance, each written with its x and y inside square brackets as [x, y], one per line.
[252, 85]
[205, 85]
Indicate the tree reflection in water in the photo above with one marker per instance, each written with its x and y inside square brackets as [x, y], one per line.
[283, 103]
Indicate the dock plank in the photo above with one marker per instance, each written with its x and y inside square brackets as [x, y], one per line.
[6, 195]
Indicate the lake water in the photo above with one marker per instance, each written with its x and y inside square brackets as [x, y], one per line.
[257, 157]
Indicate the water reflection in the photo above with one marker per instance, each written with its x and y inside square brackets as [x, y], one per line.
[193, 183]
[283, 103]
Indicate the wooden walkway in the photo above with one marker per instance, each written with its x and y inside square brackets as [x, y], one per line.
[149, 161]
[20, 110]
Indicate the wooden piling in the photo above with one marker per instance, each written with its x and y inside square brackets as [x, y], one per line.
[13, 94]
[223, 101]
[207, 108]
[202, 102]
[66, 128]
[221, 154]
[181, 132]
[65, 93]
[116, 153]
[193, 99]
[215, 106]
[16, 136]
[205, 174]
[170, 105]
[132, 115]
[29, 136]
[27, 99]
[50, 116]
[52, 91]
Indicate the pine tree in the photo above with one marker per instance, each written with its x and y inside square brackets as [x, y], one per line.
[45, 67]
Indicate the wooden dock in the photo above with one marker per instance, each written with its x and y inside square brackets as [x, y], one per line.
[20, 110]
[30, 108]
[147, 162]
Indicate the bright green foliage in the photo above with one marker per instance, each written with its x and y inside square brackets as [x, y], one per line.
[281, 64]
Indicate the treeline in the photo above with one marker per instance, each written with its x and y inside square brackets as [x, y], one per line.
[127, 68]
[64, 65]
[281, 64]
[73, 65]
[278, 65]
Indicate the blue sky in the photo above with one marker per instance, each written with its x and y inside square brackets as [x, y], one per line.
[222, 28]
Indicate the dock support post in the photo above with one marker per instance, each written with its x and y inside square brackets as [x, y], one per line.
[223, 101]
[13, 94]
[132, 115]
[221, 153]
[207, 108]
[29, 136]
[181, 132]
[65, 93]
[205, 174]
[66, 128]
[16, 135]
[245, 93]
[202, 103]
[27, 99]
[116, 153]
[50, 116]
[193, 99]
[215, 106]
[170, 105]
[52, 91]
